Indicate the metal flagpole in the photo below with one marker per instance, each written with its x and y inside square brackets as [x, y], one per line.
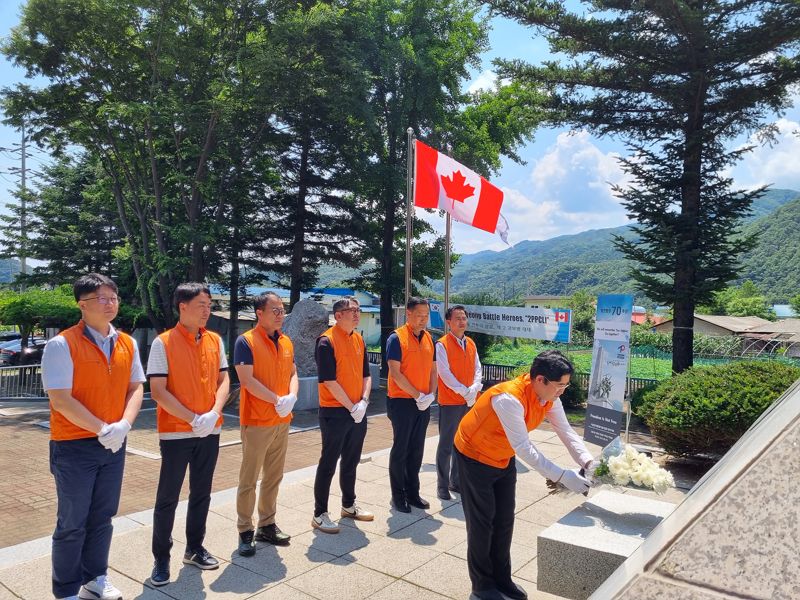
[447, 229]
[409, 208]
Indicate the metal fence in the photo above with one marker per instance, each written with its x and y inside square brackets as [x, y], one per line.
[21, 383]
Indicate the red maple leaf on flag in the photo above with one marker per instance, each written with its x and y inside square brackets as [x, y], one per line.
[455, 187]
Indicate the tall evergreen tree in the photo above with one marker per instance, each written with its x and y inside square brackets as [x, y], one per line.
[677, 80]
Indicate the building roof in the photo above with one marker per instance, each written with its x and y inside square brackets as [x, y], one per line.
[732, 324]
[791, 326]
[640, 318]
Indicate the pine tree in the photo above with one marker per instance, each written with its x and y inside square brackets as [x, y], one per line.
[677, 80]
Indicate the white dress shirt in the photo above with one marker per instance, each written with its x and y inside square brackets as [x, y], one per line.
[512, 417]
[443, 367]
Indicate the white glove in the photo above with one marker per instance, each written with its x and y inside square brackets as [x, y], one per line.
[358, 411]
[425, 400]
[204, 424]
[112, 435]
[573, 481]
[472, 393]
[285, 404]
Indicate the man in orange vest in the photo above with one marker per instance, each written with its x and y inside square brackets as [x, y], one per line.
[412, 389]
[489, 437]
[264, 361]
[188, 374]
[460, 377]
[93, 377]
[344, 387]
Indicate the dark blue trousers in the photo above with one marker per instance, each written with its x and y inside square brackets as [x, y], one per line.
[88, 483]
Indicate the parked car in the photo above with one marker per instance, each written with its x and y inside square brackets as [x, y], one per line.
[13, 354]
[8, 336]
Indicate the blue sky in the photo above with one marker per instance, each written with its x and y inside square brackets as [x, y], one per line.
[564, 186]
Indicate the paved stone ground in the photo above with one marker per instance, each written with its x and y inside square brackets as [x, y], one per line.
[27, 490]
[422, 555]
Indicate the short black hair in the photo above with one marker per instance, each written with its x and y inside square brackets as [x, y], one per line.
[452, 309]
[415, 301]
[343, 303]
[552, 365]
[186, 292]
[91, 282]
[260, 301]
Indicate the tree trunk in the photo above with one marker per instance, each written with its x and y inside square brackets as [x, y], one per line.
[298, 247]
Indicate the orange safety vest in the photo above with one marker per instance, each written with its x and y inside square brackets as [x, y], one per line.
[193, 370]
[97, 383]
[416, 362]
[273, 367]
[462, 366]
[349, 353]
[480, 435]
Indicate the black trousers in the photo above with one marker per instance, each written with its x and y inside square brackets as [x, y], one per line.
[409, 426]
[200, 456]
[450, 416]
[487, 495]
[341, 437]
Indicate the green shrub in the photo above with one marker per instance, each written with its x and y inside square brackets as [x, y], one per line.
[705, 410]
[638, 396]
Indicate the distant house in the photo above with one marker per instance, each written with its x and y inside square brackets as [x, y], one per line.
[716, 325]
[782, 335]
[784, 311]
[546, 301]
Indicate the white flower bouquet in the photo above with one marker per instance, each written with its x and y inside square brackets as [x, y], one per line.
[622, 465]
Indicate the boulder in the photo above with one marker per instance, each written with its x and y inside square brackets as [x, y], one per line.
[304, 325]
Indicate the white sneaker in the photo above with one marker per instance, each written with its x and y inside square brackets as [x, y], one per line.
[68, 598]
[324, 524]
[100, 588]
[357, 513]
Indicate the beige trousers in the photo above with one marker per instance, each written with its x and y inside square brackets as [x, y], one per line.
[263, 452]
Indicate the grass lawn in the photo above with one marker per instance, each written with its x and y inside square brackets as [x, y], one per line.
[506, 353]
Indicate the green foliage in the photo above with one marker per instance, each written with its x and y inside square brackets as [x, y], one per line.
[739, 301]
[705, 410]
[795, 304]
[575, 395]
[36, 309]
[774, 263]
[584, 309]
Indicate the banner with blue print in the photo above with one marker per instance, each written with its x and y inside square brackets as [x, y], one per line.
[609, 377]
[551, 324]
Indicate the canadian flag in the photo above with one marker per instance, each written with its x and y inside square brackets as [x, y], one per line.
[440, 182]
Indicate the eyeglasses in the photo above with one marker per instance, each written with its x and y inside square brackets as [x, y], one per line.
[278, 311]
[559, 385]
[353, 311]
[103, 299]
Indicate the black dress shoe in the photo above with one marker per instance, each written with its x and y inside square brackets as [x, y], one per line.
[272, 534]
[247, 546]
[400, 505]
[160, 574]
[513, 591]
[418, 503]
[200, 558]
[443, 495]
[486, 595]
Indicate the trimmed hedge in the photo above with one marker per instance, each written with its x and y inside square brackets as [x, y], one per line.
[705, 410]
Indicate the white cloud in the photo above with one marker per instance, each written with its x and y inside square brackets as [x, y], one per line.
[486, 80]
[774, 163]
